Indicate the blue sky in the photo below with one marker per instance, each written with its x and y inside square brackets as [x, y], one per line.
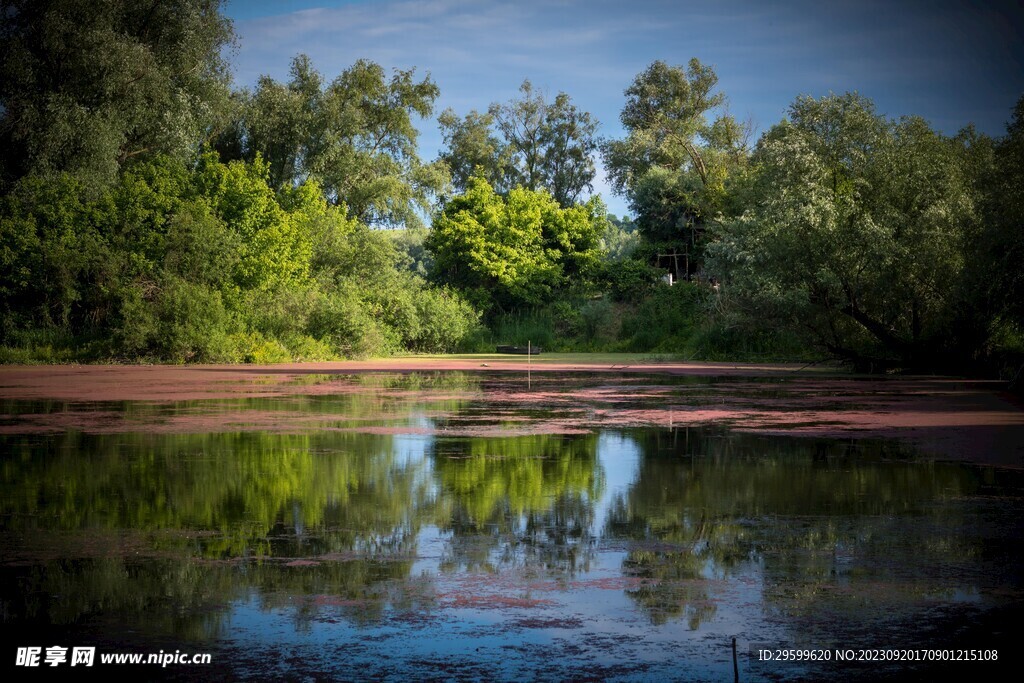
[951, 62]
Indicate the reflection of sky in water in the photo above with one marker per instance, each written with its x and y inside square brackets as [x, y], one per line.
[619, 458]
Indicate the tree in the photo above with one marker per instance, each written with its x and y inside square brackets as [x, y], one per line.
[367, 156]
[542, 146]
[1003, 237]
[677, 168]
[355, 137]
[471, 148]
[86, 87]
[619, 238]
[664, 115]
[279, 122]
[856, 234]
[274, 251]
[513, 251]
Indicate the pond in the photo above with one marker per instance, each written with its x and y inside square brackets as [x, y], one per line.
[459, 526]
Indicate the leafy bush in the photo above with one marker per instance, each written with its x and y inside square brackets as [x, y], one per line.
[630, 280]
[348, 327]
[192, 323]
[253, 347]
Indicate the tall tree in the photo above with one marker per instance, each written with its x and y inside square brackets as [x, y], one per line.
[471, 147]
[542, 145]
[675, 165]
[279, 122]
[664, 116]
[86, 86]
[354, 136]
[856, 234]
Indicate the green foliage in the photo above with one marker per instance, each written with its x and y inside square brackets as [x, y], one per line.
[86, 86]
[191, 323]
[588, 325]
[542, 146]
[630, 279]
[39, 264]
[273, 251]
[355, 137]
[664, 321]
[446, 320]
[471, 148]
[207, 264]
[412, 251]
[1002, 240]
[619, 239]
[515, 251]
[664, 115]
[856, 235]
[122, 237]
[349, 327]
[678, 169]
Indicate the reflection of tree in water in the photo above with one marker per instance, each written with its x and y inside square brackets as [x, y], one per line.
[518, 502]
[162, 596]
[207, 515]
[189, 599]
[362, 590]
[816, 515]
[673, 545]
[250, 492]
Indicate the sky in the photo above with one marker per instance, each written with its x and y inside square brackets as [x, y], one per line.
[953, 63]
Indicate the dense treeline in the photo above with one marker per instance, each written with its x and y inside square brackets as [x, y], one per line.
[150, 211]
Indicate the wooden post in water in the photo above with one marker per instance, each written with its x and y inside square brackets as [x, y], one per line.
[735, 666]
[529, 363]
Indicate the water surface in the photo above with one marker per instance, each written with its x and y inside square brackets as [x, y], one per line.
[418, 526]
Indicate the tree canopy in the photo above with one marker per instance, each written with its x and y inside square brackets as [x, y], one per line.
[87, 86]
[512, 251]
[355, 137]
[856, 233]
[675, 166]
[542, 145]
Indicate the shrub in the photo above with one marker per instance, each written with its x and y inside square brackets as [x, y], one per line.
[192, 323]
[663, 321]
[346, 325]
[446, 321]
[630, 280]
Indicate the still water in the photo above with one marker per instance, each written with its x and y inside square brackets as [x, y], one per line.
[421, 527]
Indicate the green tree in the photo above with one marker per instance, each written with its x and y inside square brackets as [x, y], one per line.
[542, 145]
[517, 250]
[87, 86]
[274, 252]
[677, 168]
[856, 234]
[471, 148]
[279, 121]
[354, 136]
[620, 237]
[1003, 238]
